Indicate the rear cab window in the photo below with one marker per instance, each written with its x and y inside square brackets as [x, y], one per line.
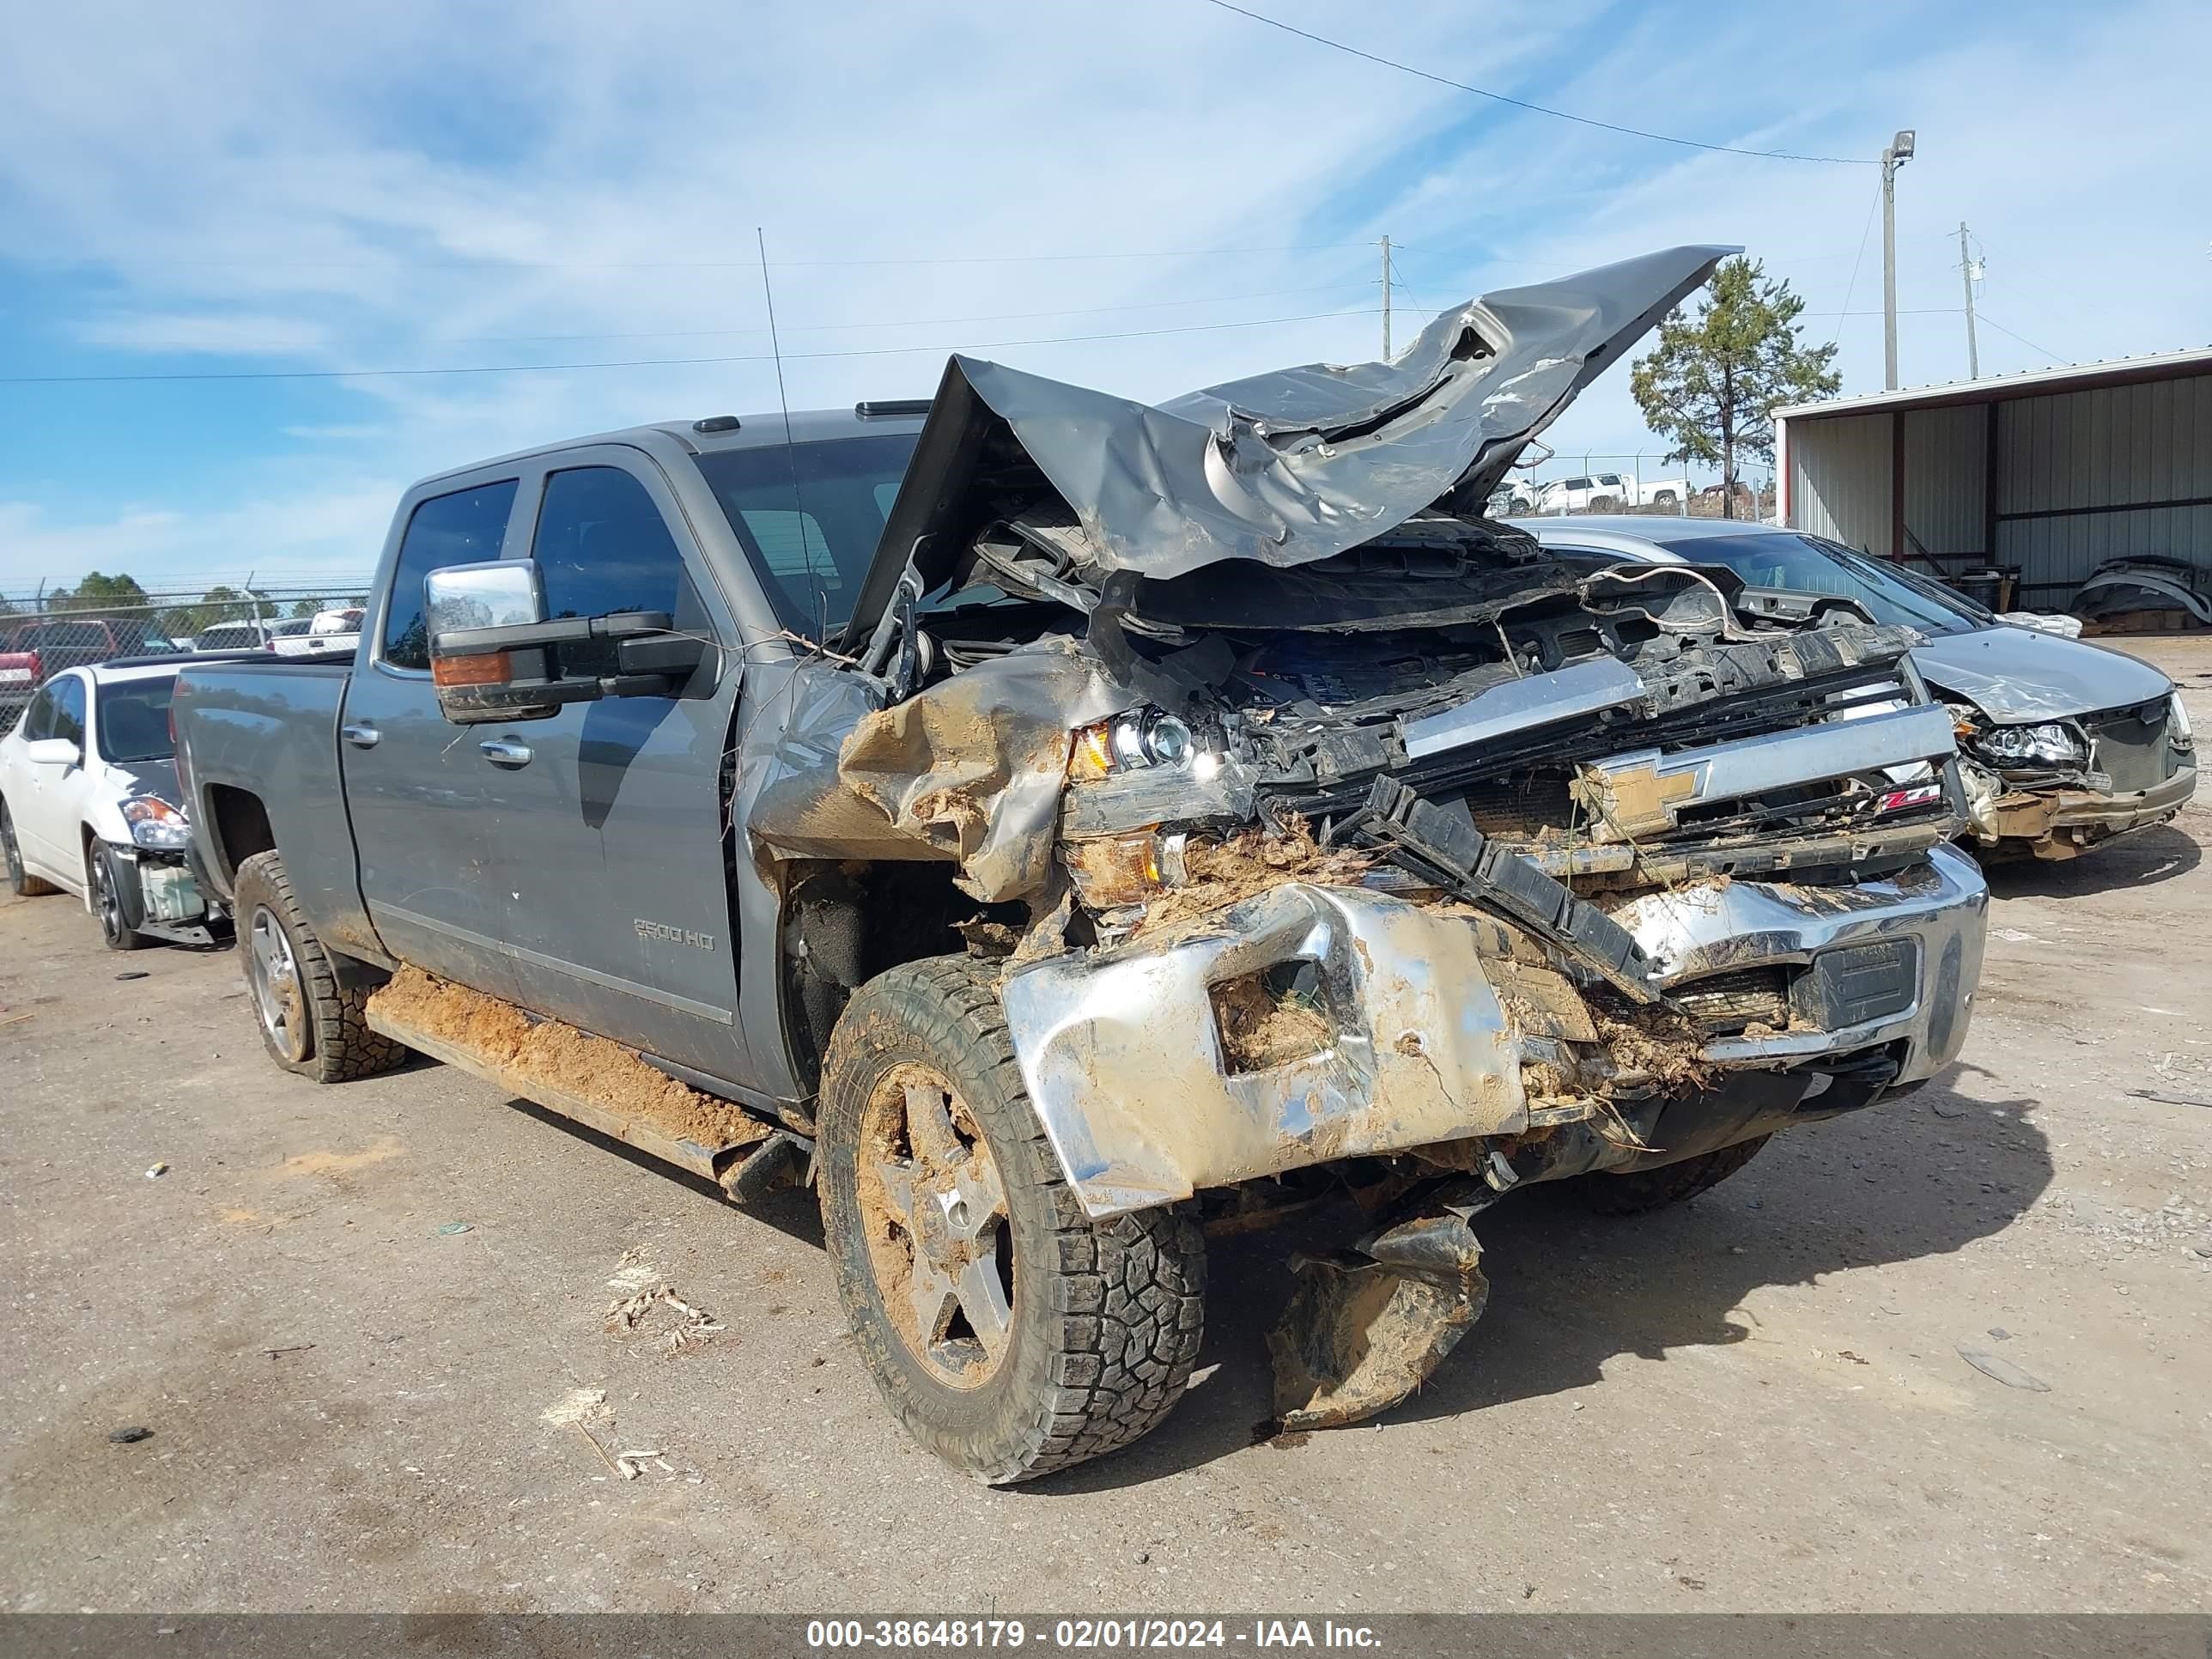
[468, 526]
[809, 517]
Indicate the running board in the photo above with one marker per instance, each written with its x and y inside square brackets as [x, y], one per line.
[745, 1170]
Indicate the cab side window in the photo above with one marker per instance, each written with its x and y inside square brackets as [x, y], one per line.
[68, 709]
[603, 547]
[466, 527]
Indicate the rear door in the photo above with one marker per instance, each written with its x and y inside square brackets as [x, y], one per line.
[611, 812]
[423, 803]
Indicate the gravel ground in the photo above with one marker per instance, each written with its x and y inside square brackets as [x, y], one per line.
[367, 1329]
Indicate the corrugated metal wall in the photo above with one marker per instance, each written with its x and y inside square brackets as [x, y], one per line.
[1839, 479]
[2098, 448]
[1945, 480]
[2117, 444]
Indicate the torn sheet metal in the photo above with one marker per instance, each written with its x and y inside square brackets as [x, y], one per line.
[1364, 1328]
[971, 771]
[1284, 468]
[1126, 1062]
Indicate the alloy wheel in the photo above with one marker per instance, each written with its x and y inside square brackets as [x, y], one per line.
[938, 1240]
[275, 978]
[105, 899]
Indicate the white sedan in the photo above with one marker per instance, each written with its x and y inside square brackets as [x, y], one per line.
[89, 803]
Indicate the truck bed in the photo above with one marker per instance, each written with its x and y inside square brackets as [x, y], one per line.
[266, 727]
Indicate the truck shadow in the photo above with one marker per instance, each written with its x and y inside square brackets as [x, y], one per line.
[1570, 1291]
[2144, 859]
[790, 1212]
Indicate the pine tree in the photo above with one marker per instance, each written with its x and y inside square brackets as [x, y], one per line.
[1712, 384]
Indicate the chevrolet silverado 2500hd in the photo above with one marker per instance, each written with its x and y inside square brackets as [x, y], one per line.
[1049, 825]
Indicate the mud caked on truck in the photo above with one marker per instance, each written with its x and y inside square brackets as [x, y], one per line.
[1050, 827]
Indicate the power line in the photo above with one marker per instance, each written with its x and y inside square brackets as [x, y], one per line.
[649, 362]
[1865, 231]
[1538, 109]
[1985, 317]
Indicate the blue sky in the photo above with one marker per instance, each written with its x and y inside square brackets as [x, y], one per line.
[253, 189]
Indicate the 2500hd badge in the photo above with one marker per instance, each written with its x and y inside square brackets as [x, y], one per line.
[696, 940]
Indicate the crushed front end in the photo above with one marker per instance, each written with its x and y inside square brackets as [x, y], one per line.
[1448, 893]
[1328, 833]
[2059, 786]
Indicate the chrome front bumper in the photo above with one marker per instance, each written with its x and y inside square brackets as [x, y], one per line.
[1125, 1061]
[1938, 908]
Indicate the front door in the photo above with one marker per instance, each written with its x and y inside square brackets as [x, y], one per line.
[421, 795]
[610, 825]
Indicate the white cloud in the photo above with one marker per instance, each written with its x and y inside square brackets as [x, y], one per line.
[414, 183]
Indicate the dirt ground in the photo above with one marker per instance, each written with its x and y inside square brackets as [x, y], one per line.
[367, 1328]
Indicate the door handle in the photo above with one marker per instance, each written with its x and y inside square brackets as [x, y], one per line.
[505, 751]
[361, 735]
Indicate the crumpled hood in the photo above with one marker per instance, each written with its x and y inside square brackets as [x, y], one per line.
[2020, 675]
[1284, 468]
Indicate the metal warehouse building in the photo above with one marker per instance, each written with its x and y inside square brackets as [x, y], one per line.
[2046, 474]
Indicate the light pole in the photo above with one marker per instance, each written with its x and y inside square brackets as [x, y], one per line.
[1899, 153]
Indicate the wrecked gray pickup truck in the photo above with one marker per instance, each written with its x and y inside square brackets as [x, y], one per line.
[1062, 826]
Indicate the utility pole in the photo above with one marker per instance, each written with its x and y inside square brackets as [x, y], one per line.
[1899, 153]
[1967, 272]
[1386, 299]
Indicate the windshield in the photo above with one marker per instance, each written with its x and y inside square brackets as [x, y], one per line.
[133, 720]
[809, 517]
[1813, 564]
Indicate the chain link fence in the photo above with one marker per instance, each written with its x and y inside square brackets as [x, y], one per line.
[51, 627]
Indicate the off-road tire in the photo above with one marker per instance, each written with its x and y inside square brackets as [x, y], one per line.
[21, 882]
[1107, 1315]
[338, 1045]
[1670, 1183]
[116, 929]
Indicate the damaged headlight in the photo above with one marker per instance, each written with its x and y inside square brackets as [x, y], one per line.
[1141, 738]
[155, 823]
[2177, 725]
[2050, 743]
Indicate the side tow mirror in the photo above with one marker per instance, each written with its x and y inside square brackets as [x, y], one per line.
[495, 655]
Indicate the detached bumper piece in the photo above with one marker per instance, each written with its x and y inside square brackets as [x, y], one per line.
[1366, 1326]
[1446, 847]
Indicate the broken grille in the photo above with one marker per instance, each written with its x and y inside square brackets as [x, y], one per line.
[1723, 1005]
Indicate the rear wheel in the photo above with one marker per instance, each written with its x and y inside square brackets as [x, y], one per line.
[114, 895]
[310, 1023]
[1011, 1334]
[21, 882]
[1641, 1190]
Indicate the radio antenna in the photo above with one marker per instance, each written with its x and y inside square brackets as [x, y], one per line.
[790, 454]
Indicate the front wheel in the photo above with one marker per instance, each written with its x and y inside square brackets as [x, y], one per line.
[115, 899]
[1011, 1334]
[311, 1024]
